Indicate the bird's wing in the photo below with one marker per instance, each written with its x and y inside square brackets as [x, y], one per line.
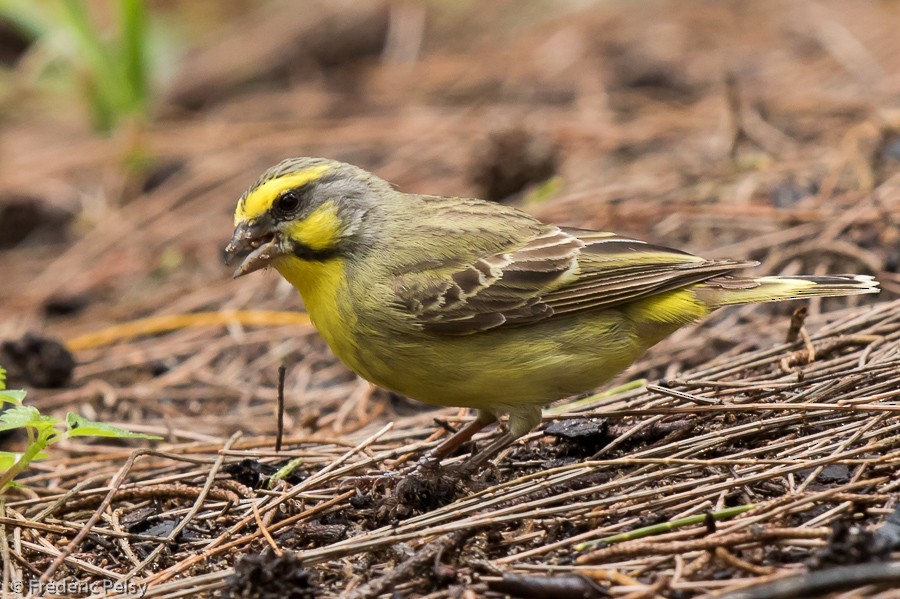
[559, 272]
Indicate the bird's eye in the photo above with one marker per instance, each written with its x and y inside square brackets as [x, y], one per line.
[287, 203]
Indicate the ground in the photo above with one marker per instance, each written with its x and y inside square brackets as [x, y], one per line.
[766, 131]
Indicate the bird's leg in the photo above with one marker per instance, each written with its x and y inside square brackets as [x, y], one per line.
[521, 421]
[446, 447]
[478, 460]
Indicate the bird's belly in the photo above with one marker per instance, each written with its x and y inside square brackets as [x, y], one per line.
[532, 365]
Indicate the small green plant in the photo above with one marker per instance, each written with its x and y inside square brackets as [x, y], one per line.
[43, 431]
[112, 72]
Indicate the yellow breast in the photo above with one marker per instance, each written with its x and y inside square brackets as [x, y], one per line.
[323, 287]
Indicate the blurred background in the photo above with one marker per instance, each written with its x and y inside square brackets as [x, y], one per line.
[767, 130]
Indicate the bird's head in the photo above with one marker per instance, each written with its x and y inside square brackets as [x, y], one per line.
[307, 208]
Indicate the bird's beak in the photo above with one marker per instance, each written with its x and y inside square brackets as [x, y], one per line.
[257, 243]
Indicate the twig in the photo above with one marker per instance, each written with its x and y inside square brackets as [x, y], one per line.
[565, 586]
[264, 530]
[4, 549]
[280, 424]
[798, 317]
[756, 535]
[823, 582]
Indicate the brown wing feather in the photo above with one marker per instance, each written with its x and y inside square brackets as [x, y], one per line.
[560, 272]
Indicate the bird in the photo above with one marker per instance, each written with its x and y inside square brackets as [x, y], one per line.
[457, 301]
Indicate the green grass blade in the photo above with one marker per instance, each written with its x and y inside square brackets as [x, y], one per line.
[134, 38]
[106, 89]
[663, 527]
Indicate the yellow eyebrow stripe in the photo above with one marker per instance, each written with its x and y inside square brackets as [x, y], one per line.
[260, 199]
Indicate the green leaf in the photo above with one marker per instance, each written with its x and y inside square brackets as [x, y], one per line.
[8, 459]
[26, 416]
[2, 378]
[82, 427]
[13, 396]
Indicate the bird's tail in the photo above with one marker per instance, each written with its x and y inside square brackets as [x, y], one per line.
[725, 291]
